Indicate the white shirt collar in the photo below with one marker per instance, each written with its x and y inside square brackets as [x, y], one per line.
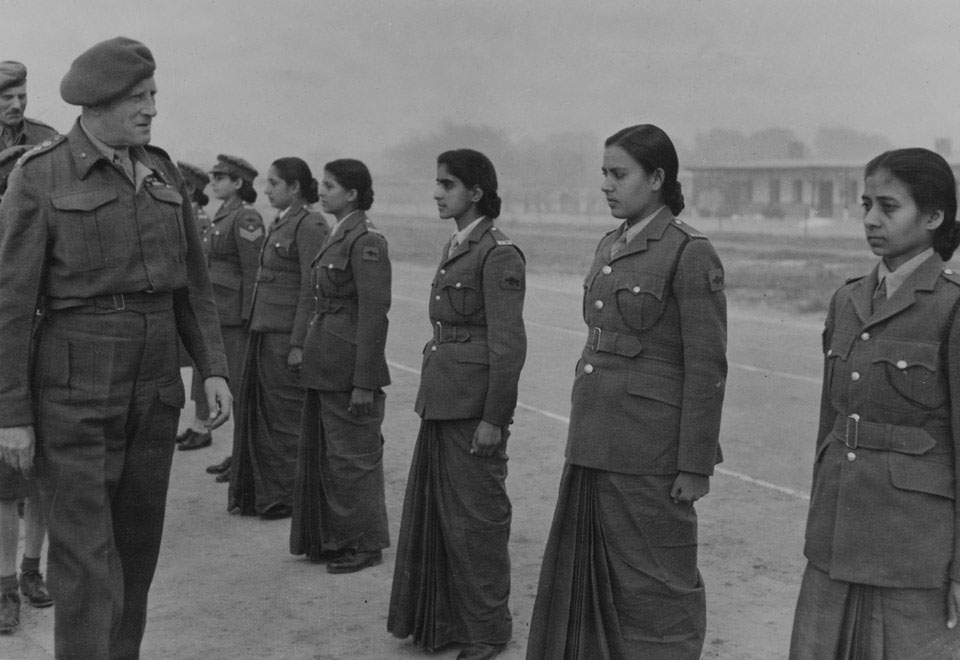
[896, 278]
[461, 236]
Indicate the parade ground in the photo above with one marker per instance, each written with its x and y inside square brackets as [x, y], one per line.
[227, 587]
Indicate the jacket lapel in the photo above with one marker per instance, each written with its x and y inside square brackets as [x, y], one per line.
[340, 233]
[652, 232]
[924, 278]
[474, 236]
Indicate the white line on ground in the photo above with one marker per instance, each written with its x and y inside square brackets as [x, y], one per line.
[566, 420]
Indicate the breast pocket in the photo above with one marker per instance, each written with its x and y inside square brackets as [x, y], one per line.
[285, 249]
[640, 299]
[464, 295]
[911, 377]
[169, 205]
[336, 270]
[90, 231]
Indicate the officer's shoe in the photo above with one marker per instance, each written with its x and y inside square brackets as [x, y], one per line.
[186, 435]
[9, 612]
[220, 467]
[352, 561]
[479, 651]
[34, 589]
[196, 441]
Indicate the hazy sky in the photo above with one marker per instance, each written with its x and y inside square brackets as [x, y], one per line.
[264, 79]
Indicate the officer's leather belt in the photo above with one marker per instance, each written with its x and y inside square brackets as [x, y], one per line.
[629, 345]
[854, 432]
[443, 332]
[278, 276]
[142, 302]
[336, 305]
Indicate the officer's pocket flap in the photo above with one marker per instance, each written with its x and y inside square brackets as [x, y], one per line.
[85, 200]
[226, 280]
[906, 354]
[165, 194]
[840, 344]
[652, 386]
[171, 393]
[638, 283]
[922, 475]
[471, 352]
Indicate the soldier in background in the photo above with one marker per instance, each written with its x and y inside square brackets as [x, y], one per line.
[15, 128]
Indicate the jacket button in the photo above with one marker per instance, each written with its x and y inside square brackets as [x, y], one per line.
[443, 271]
[438, 323]
[216, 233]
[851, 456]
[588, 368]
[865, 336]
[829, 352]
[433, 348]
[458, 285]
[948, 271]
[902, 364]
[437, 298]
[855, 376]
[636, 289]
[277, 245]
[598, 304]
[606, 270]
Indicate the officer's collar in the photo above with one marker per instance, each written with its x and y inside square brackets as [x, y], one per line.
[87, 150]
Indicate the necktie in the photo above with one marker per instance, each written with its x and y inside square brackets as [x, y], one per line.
[618, 245]
[879, 296]
[123, 160]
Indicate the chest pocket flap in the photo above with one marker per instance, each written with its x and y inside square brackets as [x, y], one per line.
[86, 200]
[840, 344]
[642, 283]
[909, 354]
[165, 194]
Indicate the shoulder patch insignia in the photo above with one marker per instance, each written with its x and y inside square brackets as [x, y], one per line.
[44, 146]
[251, 234]
[371, 254]
[511, 281]
[715, 277]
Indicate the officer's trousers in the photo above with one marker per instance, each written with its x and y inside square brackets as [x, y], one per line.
[108, 393]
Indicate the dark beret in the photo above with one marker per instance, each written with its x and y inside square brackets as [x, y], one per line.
[234, 166]
[8, 159]
[12, 74]
[195, 176]
[106, 71]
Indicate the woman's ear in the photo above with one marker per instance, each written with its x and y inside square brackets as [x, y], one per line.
[476, 194]
[934, 220]
[352, 195]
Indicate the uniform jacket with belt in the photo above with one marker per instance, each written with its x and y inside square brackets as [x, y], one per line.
[883, 510]
[472, 364]
[648, 389]
[283, 296]
[74, 226]
[348, 333]
[33, 132]
[232, 243]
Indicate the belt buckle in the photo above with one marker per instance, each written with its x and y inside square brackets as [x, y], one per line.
[855, 418]
[438, 332]
[121, 305]
[595, 338]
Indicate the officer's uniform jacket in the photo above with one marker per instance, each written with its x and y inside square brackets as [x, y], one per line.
[31, 132]
[73, 227]
[348, 333]
[232, 243]
[648, 389]
[283, 295]
[883, 509]
[472, 364]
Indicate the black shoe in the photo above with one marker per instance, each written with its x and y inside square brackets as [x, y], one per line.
[9, 612]
[479, 651]
[223, 477]
[220, 467]
[186, 435]
[277, 512]
[352, 561]
[34, 589]
[196, 441]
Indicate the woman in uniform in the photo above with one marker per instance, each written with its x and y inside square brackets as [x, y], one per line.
[266, 433]
[619, 578]
[339, 510]
[883, 575]
[451, 583]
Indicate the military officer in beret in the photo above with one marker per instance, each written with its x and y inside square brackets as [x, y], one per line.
[96, 229]
[644, 427]
[15, 128]
[456, 519]
[231, 243]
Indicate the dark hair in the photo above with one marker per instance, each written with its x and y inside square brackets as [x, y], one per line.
[651, 147]
[474, 169]
[246, 191]
[931, 184]
[292, 169]
[200, 197]
[352, 174]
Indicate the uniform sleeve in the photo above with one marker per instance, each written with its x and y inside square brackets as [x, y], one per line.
[504, 284]
[196, 313]
[23, 240]
[698, 286]
[249, 235]
[953, 381]
[827, 413]
[370, 264]
[310, 236]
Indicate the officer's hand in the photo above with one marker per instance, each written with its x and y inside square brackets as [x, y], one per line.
[361, 401]
[486, 439]
[953, 604]
[295, 359]
[219, 400]
[16, 447]
[689, 487]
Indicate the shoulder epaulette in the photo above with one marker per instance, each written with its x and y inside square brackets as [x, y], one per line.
[371, 228]
[158, 150]
[499, 237]
[951, 275]
[43, 147]
[854, 279]
[686, 229]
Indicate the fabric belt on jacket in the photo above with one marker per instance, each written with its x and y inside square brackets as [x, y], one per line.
[854, 432]
[119, 302]
[629, 345]
[279, 276]
[443, 332]
[336, 305]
